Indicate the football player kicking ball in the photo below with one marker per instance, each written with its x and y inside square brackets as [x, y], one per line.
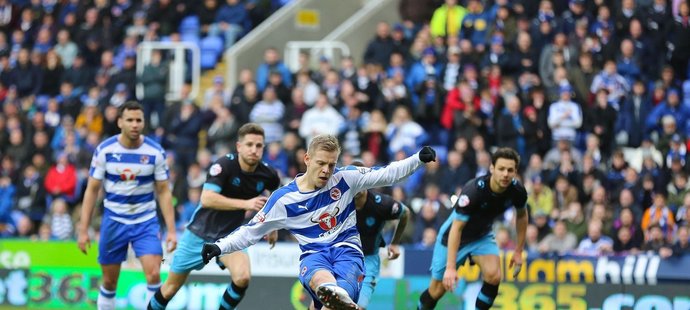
[318, 209]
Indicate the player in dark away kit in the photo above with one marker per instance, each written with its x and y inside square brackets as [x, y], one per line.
[468, 231]
[235, 184]
[373, 210]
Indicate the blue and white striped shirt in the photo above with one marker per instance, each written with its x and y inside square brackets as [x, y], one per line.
[322, 218]
[129, 177]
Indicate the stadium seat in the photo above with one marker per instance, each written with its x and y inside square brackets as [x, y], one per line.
[208, 59]
[189, 37]
[190, 25]
[211, 43]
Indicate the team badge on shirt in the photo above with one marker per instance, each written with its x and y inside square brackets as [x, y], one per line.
[463, 201]
[395, 208]
[335, 193]
[215, 170]
[144, 159]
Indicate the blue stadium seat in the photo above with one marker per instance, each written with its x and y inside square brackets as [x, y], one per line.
[211, 43]
[208, 59]
[190, 37]
[190, 24]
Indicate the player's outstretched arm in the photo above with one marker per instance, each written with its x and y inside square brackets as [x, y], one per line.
[365, 178]
[271, 217]
[165, 202]
[93, 186]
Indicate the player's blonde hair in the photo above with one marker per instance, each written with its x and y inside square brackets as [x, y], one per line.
[328, 143]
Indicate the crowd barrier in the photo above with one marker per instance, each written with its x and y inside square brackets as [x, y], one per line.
[55, 275]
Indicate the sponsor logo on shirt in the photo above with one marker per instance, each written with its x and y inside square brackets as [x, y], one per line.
[326, 220]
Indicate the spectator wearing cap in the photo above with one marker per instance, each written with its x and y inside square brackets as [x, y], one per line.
[217, 90]
[232, 20]
[672, 107]
[420, 71]
[677, 150]
[475, 25]
[379, 49]
[139, 27]
[565, 116]
[447, 19]
[497, 55]
[576, 12]
[119, 97]
[401, 44]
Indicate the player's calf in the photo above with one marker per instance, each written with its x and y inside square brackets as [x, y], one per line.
[486, 296]
[158, 302]
[232, 296]
[426, 301]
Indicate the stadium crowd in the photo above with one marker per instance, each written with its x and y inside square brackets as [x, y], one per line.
[594, 95]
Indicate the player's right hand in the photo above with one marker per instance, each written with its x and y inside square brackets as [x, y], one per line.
[427, 154]
[450, 279]
[209, 251]
[256, 203]
[84, 242]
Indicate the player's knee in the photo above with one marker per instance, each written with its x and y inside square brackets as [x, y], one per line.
[492, 277]
[436, 289]
[153, 276]
[242, 279]
[109, 284]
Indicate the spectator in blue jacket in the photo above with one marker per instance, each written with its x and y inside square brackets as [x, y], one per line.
[272, 62]
[233, 20]
[670, 107]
